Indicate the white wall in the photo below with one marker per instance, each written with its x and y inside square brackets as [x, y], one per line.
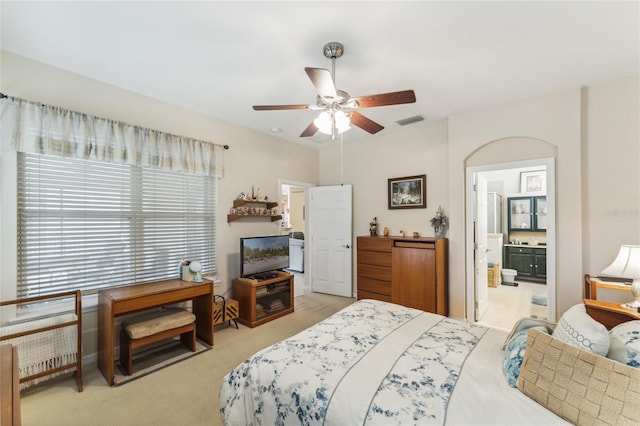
[253, 158]
[611, 159]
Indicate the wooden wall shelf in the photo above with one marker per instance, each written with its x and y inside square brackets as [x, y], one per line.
[267, 204]
[239, 204]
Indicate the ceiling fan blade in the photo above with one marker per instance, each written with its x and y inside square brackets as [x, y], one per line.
[321, 79]
[278, 107]
[365, 123]
[393, 98]
[309, 131]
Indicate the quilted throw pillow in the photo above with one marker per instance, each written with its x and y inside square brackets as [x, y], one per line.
[579, 386]
[514, 353]
[577, 328]
[625, 343]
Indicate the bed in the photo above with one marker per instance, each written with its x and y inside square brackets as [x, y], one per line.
[380, 363]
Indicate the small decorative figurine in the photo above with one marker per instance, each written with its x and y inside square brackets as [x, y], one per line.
[439, 223]
[385, 231]
[373, 227]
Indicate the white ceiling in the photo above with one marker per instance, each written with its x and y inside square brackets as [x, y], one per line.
[220, 58]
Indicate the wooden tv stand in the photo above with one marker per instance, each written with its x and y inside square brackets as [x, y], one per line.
[263, 300]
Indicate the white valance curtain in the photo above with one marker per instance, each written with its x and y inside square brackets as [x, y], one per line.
[46, 129]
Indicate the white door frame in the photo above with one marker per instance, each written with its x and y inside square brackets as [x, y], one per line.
[550, 164]
[305, 185]
[481, 295]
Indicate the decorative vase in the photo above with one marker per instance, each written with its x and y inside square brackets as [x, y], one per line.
[439, 231]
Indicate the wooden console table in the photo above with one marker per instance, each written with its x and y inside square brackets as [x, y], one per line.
[127, 300]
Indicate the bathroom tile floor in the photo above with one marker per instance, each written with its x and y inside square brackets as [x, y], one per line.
[507, 304]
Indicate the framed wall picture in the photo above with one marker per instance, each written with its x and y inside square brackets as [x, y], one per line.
[534, 181]
[408, 192]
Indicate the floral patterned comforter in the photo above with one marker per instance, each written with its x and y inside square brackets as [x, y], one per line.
[373, 362]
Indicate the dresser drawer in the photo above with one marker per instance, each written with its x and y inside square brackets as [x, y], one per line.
[523, 250]
[375, 244]
[376, 258]
[374, 272]
[367, 295]
[374, 286]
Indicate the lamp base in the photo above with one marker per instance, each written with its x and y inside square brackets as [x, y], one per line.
[635, 291]
[633, 305]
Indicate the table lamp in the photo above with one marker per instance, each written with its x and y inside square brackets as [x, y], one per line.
[627, 266]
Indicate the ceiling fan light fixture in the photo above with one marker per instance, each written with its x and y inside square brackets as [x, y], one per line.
[323, 123]
[326, 120]
[342, 121]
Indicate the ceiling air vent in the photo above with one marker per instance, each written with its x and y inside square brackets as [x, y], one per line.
[410, 120]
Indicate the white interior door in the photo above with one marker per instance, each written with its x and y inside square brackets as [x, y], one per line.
[329, 220]
[480, 246]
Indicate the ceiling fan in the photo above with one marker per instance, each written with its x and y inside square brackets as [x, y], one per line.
[336, 106]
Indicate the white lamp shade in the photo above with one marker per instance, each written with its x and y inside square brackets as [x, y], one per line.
[626, 264]
[325, 120]
[342, 121]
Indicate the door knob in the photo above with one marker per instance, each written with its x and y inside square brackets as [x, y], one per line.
[346, 246]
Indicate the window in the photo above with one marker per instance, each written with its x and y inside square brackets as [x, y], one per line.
[89, 225]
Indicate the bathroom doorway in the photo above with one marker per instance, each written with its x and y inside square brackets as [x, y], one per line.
[525, 295]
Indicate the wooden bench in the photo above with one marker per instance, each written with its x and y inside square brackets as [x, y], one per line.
[150, 328]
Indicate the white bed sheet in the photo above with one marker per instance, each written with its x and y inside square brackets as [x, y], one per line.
[483, 396]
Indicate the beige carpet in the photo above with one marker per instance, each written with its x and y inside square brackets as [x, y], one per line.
[185, 393]
[156, 357]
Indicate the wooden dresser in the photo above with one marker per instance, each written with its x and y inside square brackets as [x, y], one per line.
[404, 270]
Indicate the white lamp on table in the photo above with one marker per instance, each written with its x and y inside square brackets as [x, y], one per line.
[627, 266]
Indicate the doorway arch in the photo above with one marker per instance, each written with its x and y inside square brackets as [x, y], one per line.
[522, 152]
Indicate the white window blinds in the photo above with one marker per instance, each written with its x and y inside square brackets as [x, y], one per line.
[89, 225]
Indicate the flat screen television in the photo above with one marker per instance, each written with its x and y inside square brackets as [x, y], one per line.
[262, 255]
